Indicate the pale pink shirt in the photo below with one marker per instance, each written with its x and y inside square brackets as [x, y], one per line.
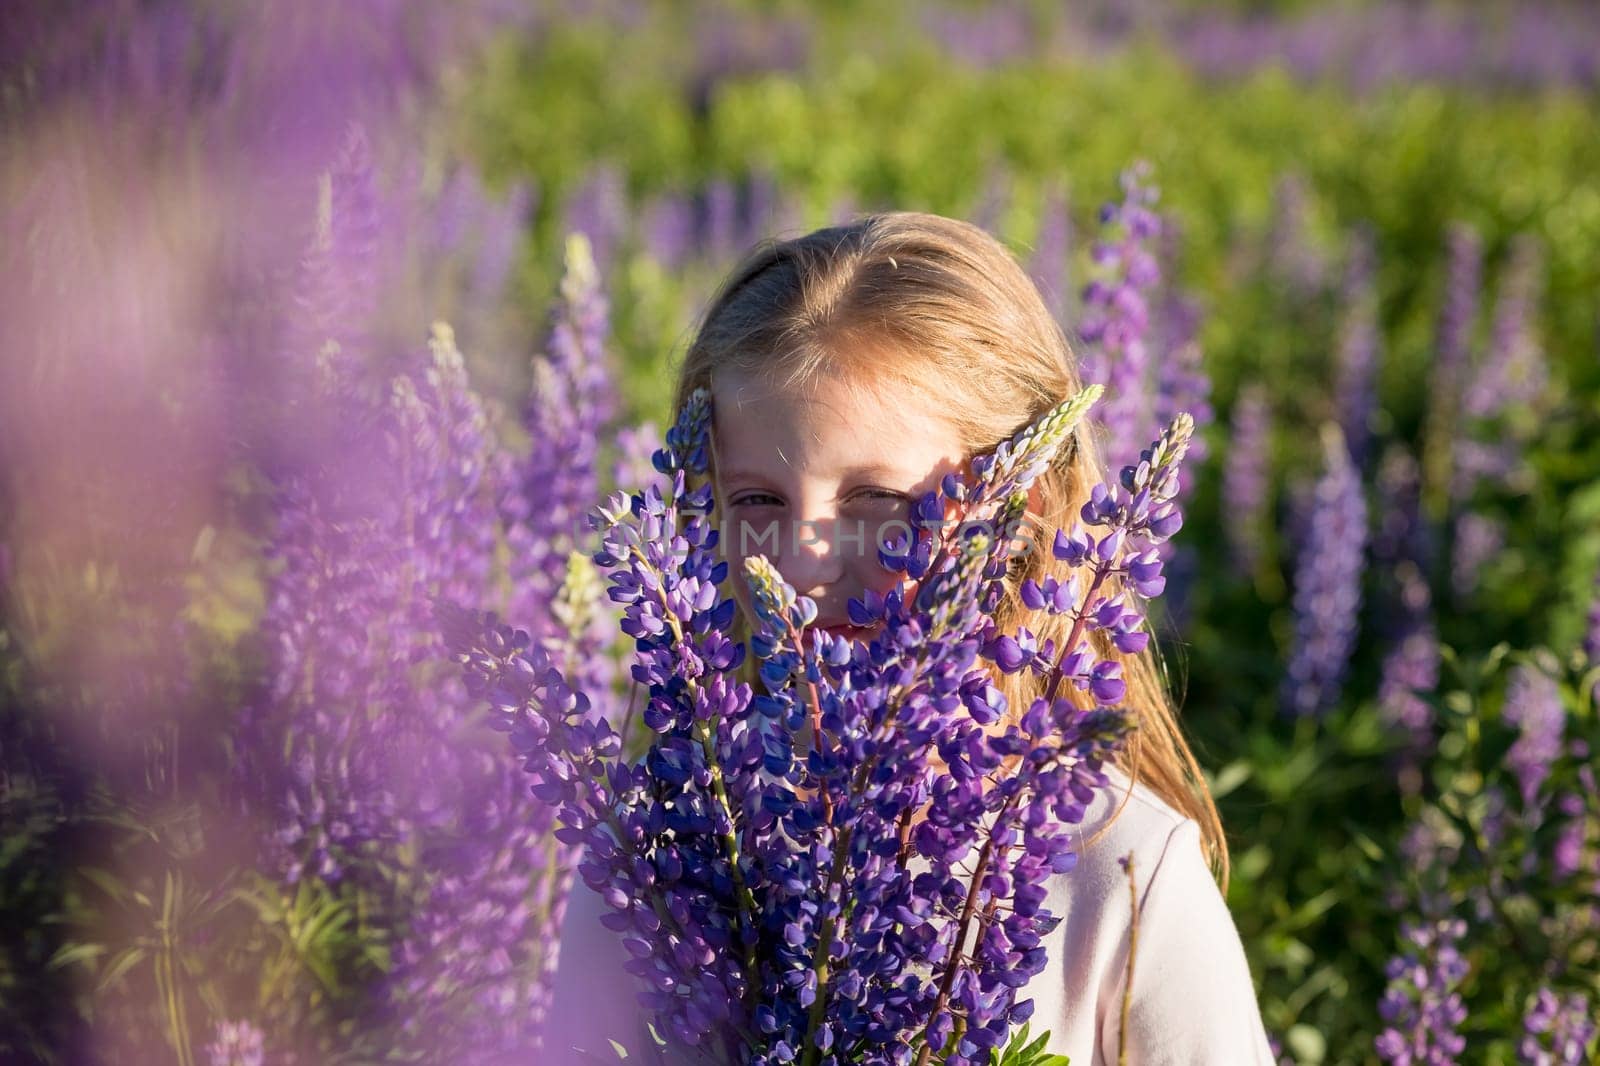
[1193, 1002]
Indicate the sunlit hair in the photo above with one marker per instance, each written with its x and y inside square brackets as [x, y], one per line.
[905, 300]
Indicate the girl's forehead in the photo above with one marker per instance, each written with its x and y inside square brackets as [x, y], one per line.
[829, 428]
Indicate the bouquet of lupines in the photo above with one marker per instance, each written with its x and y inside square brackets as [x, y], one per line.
[850, 865]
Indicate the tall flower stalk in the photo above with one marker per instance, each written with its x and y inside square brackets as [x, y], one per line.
[1328, 577]
[1246, 477]
[1355, 393]
[362, 747]
[1452, 346]
[1422, 1003]
[1116, 311]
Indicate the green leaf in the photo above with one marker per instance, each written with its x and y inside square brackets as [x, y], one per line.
[120, 964]
[1308, 1045]
[1019, 1051]
[74, 953]
[1232, 776]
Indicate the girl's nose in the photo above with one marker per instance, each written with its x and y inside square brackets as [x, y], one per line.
[813, 555]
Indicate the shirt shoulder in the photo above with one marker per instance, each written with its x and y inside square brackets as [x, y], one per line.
[1193, 999]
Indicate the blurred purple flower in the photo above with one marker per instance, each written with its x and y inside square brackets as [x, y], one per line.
[236, 1044]
[1356, 388]
[1182, 384]
[1452, 347]
[1400, 533]
[1051, 260]
[1557, 1030]
[1116, 313]
[983, 37]
[1512, 370]
[1291, 257]
[1328, 577]
[722, 229]
[1246, 477]
[1422, 1005]
[993, 199]
[502, 229]
[634, 467]
[1533, 705]
[669, 230]
[1478, 539]
[1412, 666]
[598, 209]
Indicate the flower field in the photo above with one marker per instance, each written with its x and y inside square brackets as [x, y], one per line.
[317, 316]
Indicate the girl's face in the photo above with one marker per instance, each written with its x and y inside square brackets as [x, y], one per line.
[816, 481]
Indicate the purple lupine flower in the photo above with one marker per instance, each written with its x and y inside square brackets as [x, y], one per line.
[1405, 611]
[1411, 666]
[1478, 539]
[569, 407]
[1567, 853]
[1116, 312]
[1291, 256]
[634, 467]
[1557, 1030]
[336, 293]
[993, 198]
[501, 232]
[545, 493]
[1511, 376]
[669, 230]
[760, 861]
[373, 766]
[1512, 370]
[721, 226]
[455, 210]
[1422, 1005]
[1400, 534]
[1052, 250]
[1356, 390]
[1181, 381]
[1246, 476]
[235, 1044]
[598, 209]
[363, 756]
[1328, 575]
[1533, 705]
[1453, 341]
[985, 37]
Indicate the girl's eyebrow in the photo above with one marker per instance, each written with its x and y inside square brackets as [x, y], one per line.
[864, 470]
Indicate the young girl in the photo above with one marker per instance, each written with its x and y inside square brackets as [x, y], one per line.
[850, 369]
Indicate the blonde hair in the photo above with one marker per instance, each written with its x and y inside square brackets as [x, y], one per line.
[966, 321]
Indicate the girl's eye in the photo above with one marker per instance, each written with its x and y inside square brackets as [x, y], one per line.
[883, 494]
[753, 498]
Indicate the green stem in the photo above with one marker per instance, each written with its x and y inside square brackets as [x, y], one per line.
[1072, 638]
[167, 976]
[819, 962]
[730, 844]
[947, 979]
